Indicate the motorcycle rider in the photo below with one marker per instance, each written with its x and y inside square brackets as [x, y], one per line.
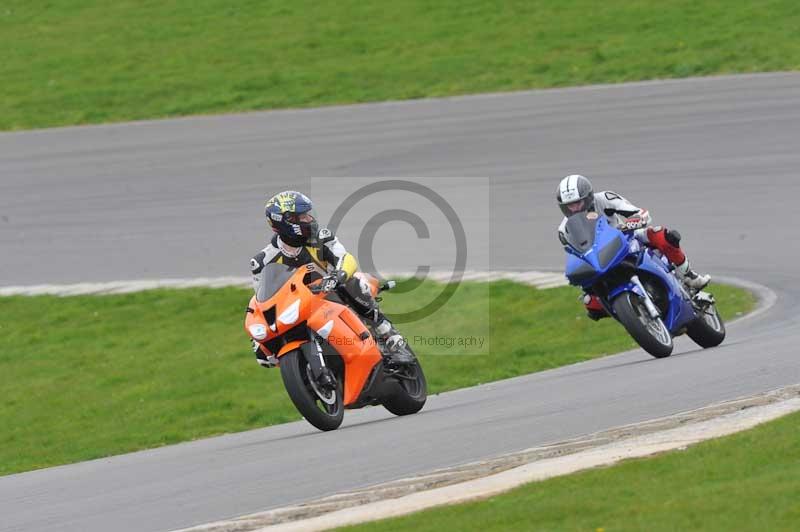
[298, 241]
[576, 194]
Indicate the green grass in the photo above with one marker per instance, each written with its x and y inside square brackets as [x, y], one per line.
[748, 481]
[86, 377]
[89, 61]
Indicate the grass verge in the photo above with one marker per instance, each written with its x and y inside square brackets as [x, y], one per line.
[748, 481]
[89, 61]
[86, 377]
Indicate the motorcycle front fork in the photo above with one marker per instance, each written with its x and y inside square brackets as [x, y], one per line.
[648, 303]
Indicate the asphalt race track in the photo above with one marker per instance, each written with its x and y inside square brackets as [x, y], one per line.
[717, 158]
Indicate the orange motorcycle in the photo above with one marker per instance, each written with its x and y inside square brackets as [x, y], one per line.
[328, 356]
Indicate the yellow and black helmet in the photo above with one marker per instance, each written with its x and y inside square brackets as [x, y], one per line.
[291, 215]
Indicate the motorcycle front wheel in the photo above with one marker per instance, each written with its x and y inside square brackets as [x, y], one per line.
[322, 408]
[651, 334]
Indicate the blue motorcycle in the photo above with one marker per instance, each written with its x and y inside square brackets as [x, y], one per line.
[636, 285]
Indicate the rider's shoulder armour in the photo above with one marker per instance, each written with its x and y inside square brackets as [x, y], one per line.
[257, 262]
[265, 256]
[325, 235]
[611, 203]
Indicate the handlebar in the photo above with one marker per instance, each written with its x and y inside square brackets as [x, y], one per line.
[315, 288]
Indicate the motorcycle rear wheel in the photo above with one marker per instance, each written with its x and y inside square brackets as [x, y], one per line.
[409, 391]
[323, 410]
[708, 329]
[651, 334]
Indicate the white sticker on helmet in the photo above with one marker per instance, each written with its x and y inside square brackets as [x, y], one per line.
[569, 189]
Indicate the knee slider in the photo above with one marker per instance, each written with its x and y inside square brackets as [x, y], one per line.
[358, 293]
[364, 287]
[673, 237]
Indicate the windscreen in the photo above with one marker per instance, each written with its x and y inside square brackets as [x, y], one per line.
[273, 277]
[580, 231]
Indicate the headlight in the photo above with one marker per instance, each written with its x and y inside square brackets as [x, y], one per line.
[258, 331]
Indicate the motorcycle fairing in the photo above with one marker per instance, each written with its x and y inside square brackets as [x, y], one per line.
[681, 310]
[336, 323]
[357, 348]
[608, 248]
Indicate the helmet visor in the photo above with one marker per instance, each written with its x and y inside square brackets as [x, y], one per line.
[575, 207]
[301, 217]
[307, 221]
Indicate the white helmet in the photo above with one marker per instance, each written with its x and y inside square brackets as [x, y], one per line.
[575, 194]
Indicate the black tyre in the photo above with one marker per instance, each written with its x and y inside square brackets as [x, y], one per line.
[708, 329]
[323, 409]
[649, 333]
[409, 391]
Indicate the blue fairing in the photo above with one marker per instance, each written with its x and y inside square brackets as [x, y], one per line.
[605, 236]
[680, 311]
[607, 251]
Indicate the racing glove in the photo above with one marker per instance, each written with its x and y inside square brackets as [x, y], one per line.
[594, 310]
[638, 221]
[267, 361]
[333, 280]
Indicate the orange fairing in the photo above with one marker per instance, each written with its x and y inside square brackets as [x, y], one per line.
[254, 317]
[291, 346]
[294, 304]
[353, 342]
